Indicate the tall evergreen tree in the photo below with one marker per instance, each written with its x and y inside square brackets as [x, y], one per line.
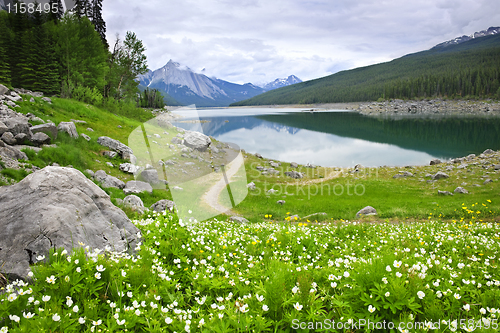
[83, 57]
[4, 43]
[56, 15]
[98, 21]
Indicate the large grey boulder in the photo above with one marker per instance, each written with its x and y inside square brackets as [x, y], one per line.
[136, 186]
[435, 161]
[125, 152]
[68, 127]
[162, 205]
[57, 207]
[48, 128]
[196, 140]
[368, 210]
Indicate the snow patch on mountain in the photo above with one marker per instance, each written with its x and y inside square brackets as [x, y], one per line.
[278, 83]
[490, 31]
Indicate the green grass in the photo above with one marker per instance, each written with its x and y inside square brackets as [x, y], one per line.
[342, 197]
[15, 174]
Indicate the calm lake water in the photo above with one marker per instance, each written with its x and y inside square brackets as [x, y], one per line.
[344, 139]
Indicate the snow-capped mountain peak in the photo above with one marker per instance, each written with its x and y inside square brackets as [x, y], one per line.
[464, 38]
[188, 87]
[278, 83]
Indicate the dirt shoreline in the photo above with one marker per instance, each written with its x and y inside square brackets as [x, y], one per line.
[396, 107]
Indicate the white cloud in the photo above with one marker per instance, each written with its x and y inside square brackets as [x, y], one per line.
[259, 41]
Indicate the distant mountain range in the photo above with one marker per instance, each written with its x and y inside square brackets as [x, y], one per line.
[278, 83]
[465, 67]
[180, 84]
[464, 38]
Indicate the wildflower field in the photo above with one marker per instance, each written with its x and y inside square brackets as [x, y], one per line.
[218, 276]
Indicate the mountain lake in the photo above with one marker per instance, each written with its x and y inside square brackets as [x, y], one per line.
[337, 138]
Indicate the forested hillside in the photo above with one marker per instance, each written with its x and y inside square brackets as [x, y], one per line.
[66, 54]
[467, 70]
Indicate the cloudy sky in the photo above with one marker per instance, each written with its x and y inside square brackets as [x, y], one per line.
[260, 40]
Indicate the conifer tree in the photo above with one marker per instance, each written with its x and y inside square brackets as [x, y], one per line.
[56, 15]
[98, 21]
[4, 43]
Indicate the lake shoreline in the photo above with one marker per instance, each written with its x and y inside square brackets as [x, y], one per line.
[431, 107]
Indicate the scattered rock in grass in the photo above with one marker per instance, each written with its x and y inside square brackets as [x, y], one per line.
[85, 136]
[89, 129]
[8, 138]
[496, 167]
[58, 207]
[435, 161]
[40, 139]
[110, 154]
[162, 205]
[440, 175]
[281, 202]
[136, 186]
[46, 99]
[272, 191]
[129, 168]
[177, 188]
[258, 155]
[488, 151]
[368, 210]
[461, 190]
[48, 128]
[272, 171]
[134, 202]
[12, 153]
[68, 127]
[294, 174]
[487, 181]
[150, 176]
[444, 193]
[3, 128]
[294, 165]
[196, 140]
[110, 164]
[251, 186]
[238, 219]
[403, 174]
[274, 164]
[89, 172]
[470, 157]
[176, 141]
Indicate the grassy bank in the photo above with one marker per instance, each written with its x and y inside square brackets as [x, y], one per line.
[340, 193]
